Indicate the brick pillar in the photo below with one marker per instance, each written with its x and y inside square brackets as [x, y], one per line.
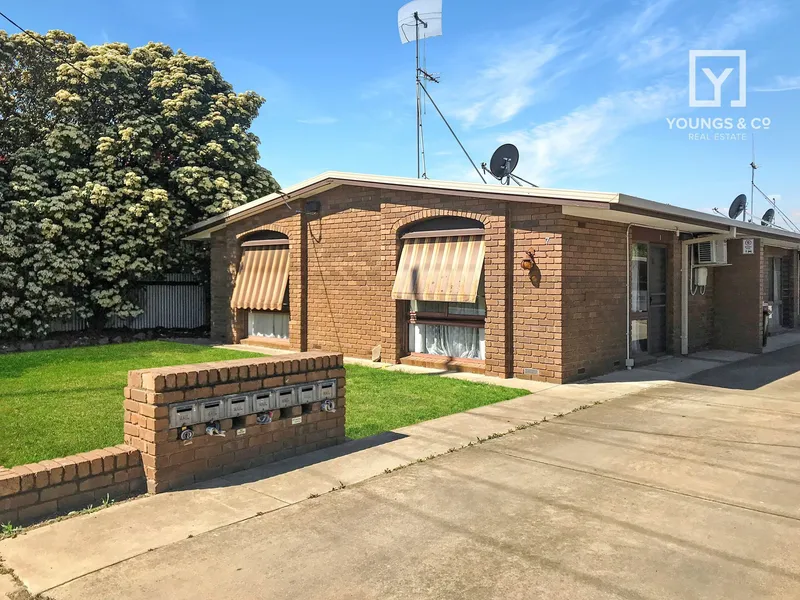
[393, 313]
[224, 262]
[497, 296]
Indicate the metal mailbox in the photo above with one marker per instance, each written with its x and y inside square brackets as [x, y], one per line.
[212, 410]
[264, 401]
[183, 415]
[307, 393]
[238, 406]
[286, 397]
[326, 389]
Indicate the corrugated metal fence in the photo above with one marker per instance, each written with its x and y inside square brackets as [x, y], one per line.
[177, 302]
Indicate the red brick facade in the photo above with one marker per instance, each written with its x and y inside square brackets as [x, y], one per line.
[561, 321]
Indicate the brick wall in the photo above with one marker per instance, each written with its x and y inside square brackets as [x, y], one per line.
[345, 297]
[738, 290]
[537, 294]
[568, 314]
[352, 251]
[595, 312]
[52, 487]
[171, 462]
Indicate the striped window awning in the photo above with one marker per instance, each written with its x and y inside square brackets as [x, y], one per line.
[443, 269]
[262, 278]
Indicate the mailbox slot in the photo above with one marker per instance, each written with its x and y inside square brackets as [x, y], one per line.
[264, 401]
[212, 410]
[182, 415]
[327, 389]
[286, 397]
[307, 393]
[237, 406]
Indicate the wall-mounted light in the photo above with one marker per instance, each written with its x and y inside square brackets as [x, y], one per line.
[313, 206]
[527, 263]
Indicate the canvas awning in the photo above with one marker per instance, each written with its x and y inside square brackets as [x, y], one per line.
[443, 269]
[262, 278]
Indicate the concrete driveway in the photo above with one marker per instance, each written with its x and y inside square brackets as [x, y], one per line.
[686, 490]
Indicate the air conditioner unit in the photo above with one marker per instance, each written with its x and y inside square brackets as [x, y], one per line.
[712, 253]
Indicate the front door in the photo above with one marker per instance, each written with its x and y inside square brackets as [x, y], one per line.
[775, 292]
[648, 298]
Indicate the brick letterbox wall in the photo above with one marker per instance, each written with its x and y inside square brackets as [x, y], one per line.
[170, 461]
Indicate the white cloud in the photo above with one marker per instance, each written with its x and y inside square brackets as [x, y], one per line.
[782, 83]
[668, 49]
[579, 141]
[732, 24]
[651, 49]
[506, 85]
[318, 121]
[644, 20]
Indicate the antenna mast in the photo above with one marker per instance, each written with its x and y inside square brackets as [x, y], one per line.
[423, 19]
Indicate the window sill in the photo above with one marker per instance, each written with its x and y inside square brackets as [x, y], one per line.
[445, 363]
[268, 342]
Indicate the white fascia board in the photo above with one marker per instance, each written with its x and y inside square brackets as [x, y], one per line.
[715, 222]
[647, 221]
[331, 179]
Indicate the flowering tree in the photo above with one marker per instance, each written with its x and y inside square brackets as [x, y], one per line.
[102, 168]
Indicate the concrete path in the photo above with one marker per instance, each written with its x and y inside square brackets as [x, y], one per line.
[672, 490]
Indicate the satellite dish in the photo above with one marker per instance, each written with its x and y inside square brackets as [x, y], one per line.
[737, 206]
[421, 18]
[769, 218]
[504, 161]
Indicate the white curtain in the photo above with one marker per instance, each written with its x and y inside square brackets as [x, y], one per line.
[268, 324]
[447, 340]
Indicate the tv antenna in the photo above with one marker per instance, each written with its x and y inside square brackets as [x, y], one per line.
[771, 212]
[502, 165]
[420, 20]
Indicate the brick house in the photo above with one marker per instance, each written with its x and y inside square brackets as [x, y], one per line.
[510, 281]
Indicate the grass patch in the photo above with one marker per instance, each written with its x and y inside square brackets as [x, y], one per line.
[380, 400]
[59, 402]
[55, 403]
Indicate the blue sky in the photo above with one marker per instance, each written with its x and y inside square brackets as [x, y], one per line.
[583, 88]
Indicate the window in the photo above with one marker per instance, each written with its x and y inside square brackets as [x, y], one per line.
[262, 285]
[454, 329]
[441, 274]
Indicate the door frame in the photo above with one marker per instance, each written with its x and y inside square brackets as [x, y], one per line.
[645, 316]
[665, 293]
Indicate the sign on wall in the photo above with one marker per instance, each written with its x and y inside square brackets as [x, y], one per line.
[748, 246]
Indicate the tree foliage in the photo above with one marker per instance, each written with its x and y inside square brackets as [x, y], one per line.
[102, 170]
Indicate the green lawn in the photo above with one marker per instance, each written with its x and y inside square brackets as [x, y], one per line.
[59, 402]
[380, 400]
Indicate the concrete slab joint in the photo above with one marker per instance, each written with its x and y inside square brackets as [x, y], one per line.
[246, 413]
